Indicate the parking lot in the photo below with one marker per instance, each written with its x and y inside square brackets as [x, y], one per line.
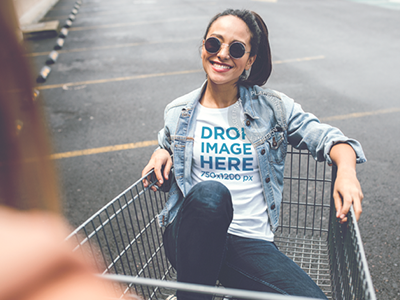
[124, 60]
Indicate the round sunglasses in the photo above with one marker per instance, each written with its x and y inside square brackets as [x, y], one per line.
[236, 49]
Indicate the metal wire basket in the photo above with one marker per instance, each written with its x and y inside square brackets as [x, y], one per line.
[126, 242]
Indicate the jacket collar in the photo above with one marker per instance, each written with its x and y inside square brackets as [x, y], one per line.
[245, 96]
[263, 97]
[196, 96]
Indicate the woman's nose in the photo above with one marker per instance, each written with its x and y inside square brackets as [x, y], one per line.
[224, 51]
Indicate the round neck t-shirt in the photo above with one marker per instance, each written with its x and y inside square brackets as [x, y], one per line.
[223, 153]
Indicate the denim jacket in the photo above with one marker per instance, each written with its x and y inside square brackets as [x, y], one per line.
[272, 120]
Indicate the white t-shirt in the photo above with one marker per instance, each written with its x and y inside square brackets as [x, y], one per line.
[223, 153]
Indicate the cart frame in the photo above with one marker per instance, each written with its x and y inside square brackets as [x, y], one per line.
[125, 241]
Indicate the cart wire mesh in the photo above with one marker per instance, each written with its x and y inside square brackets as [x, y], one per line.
[125, 240]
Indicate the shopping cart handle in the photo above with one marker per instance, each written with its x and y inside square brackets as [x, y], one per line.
[204, 289]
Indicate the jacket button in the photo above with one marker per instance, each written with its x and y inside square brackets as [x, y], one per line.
[273, 206]
[274, 143]
[248, 122]
[262, 151]
[267, 179]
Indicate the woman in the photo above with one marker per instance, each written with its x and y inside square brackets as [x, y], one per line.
[222, 229]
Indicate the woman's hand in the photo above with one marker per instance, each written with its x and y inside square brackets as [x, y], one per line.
[160, 158]
[347, 189]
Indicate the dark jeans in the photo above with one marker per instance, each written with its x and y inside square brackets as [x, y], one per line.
[200, 249]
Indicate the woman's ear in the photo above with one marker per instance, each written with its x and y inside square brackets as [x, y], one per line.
[202, 48]
[250, 62]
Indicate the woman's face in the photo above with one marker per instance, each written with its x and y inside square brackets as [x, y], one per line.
[220, 67]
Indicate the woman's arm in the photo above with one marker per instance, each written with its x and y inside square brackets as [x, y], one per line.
[347, 189]
[305, 131]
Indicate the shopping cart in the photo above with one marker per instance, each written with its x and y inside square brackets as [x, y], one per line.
[126, 242]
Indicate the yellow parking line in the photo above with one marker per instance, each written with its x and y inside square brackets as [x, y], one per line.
[111, 12]
[361, 114]
[35, 54]
[155, 143]
[60, 85]
[104, 149]
[286, 61]
[116, 25]
[54, 86]
[109, 5]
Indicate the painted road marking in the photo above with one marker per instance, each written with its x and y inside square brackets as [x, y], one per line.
[66, 85]
[389, 4]
[117, 25]
[155, 142]
[110, 12]
[69, 84]
[35, 54]
[286, 61]
[361, 114]
[104, 149]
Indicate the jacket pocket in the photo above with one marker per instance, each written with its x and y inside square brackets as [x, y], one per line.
[277, 147]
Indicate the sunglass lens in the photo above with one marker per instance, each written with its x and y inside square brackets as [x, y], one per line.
[212, 45]
[237, 50]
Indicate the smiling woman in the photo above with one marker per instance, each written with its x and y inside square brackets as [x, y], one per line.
[228, 139]
[219, 63]
[257, 32]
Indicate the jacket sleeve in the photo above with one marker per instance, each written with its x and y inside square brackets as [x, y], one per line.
[164, 142]
[164, 137]
[305, 131]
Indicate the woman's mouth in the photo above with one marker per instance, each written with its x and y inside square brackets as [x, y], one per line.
[220, 67]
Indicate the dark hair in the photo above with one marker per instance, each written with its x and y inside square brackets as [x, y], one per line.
[27, 176]
[262, 67]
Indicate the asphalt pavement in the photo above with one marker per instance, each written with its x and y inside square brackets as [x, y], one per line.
[124, 60]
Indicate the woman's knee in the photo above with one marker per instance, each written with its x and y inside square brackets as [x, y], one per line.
[210, 197]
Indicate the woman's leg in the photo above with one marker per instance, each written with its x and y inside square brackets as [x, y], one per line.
[258, 265]
[195, 240]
